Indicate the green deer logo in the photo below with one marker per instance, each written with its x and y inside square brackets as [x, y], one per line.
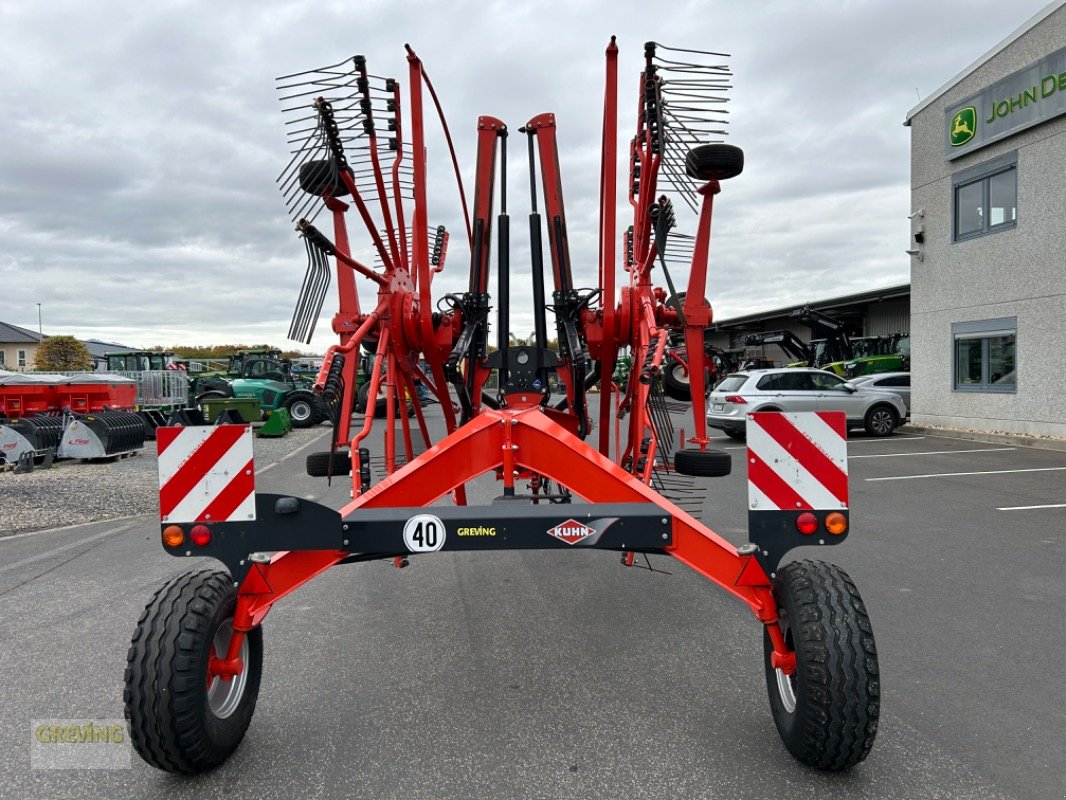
[963, 126]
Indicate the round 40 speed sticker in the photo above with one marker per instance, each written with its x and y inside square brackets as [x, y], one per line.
[424, 533]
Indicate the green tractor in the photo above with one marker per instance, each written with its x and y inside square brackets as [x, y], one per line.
[894, 355]
[264, 375]
[862, 347]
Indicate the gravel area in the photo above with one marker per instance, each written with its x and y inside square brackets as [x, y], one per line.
[74, 491]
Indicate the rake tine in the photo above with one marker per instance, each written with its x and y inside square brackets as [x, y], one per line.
[660, 45]
[338, 64]
[314, 295]
[312, 302]
[300, 316]
[321, 299]
[307, 302]
[293, 325]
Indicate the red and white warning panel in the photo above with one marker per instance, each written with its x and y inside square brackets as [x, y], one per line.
[206, 473]
[797, 461]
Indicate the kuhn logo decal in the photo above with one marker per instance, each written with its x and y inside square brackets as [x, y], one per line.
[571, 531]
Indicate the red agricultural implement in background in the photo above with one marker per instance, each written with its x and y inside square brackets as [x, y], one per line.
[577, 468]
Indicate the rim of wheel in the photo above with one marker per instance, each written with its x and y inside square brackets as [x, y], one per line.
[786, 691]
[881, 421]
[679, 374]
[224, 696]
[786, 684]
[300, 410]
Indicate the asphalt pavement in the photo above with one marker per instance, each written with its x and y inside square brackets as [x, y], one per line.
[564, 674]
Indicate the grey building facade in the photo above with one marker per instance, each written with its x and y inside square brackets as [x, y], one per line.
[988, 246]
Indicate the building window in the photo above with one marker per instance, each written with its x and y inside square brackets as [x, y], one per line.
[3, 356]
[984, 357]
[22, 358]
[986, 198]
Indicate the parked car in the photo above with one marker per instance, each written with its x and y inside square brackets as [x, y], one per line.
[800, 389]
[895, 382]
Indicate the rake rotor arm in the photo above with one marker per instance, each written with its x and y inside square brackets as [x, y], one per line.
[420, 265]
[370, 129]
[344, 172]
[397, 161]
[413, 58]
[697, 315]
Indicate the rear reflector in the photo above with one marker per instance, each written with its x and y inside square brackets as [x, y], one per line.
[836, 523]
[200, 535]
[173, 536]
[807, 523]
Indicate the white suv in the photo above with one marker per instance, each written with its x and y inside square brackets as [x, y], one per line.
[797, 389]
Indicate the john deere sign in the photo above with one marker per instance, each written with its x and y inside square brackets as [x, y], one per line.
[1019, 101]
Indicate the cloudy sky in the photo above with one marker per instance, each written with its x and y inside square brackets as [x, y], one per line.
[141, 142]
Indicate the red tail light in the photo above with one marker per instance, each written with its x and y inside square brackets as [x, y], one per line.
[736, 399]
[200, 535]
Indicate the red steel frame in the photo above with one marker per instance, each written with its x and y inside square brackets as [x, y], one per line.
[523, 438]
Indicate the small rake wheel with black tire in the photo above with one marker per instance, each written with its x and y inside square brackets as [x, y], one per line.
[182, 716]
[826, 711]
[703, 463]
[714, 162]
[323, 464]
[322, 177]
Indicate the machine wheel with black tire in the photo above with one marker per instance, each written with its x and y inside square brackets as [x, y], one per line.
[363, 396]
[881, 420]
[303, 410]
[677, 302]
[324, 464]
[714, 162]
[703, 463]
[827, 711]
[380, 404]
[676, 383]
[183, 716]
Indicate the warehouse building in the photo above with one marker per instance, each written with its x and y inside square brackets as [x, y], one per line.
[988, 248]
[877, 312]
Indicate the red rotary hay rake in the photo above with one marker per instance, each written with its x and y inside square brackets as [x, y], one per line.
[196, 657]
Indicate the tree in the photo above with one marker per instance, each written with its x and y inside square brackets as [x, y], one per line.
[62, 354]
